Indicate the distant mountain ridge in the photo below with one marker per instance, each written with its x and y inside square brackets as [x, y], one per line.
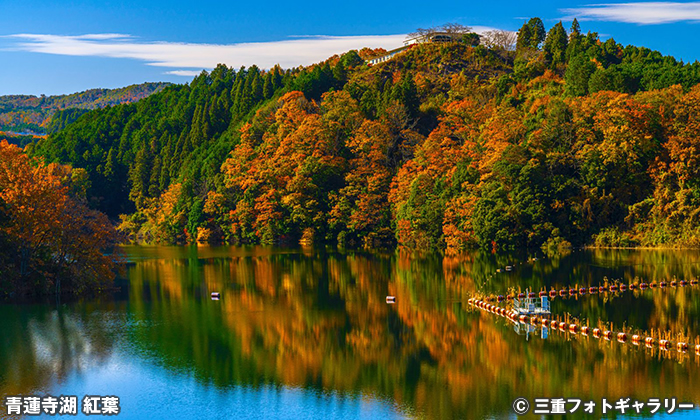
[32, 114]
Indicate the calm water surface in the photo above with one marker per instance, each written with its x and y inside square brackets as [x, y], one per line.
[306, 333]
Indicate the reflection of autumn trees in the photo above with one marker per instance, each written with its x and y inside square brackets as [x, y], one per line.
[320, 320]
[42, 345]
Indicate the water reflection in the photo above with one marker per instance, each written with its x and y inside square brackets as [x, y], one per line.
[316, 320]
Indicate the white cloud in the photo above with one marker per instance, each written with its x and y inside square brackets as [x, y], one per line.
[302, 50]
[642, 13]
[187, 73]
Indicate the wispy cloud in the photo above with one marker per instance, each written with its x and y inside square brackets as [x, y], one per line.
[187, 59]
[642, 12]
[187, 73]
[287, 53]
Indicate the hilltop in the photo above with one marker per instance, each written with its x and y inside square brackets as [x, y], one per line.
[555, 139]
[34, 115]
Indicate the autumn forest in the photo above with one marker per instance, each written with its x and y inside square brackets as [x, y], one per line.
[552, 139]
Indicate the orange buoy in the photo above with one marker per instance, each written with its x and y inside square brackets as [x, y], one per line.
[532, 295]
[582, 291]
[674, 283]
[534, 320]
[562, 326]
[607, 335]
[390, 299]
[662, 284]
[602, 289]
[635, 339]
[682, 347]
[572, 291]
[697, 349]
[543, 293]
[664, 344]
[510, 297]
[500, 298]
[652, 285]
[553, 324]
[633, 286]
[613, 288]
[643, 285]
[552, 293]
[623, 287]
[596, 332]
[649, 341]
[694, 281]
[585, 330]
[621, 337]
[544, 321]
[683, 283]
[523, 318]
[215, 296]
[593, 290]
[573, 328]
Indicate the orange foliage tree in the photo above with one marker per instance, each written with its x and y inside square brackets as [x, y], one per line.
[50, 240]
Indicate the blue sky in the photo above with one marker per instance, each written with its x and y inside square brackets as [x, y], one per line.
[55, 47]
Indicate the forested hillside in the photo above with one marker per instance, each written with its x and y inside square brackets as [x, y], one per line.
[47, 114]
[561, 139]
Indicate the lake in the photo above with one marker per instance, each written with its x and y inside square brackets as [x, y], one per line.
[307, 333]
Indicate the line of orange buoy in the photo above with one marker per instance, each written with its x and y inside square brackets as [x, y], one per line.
[585, 330]
[621, 337]
[572, 291]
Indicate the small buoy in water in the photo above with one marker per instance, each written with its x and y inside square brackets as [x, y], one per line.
[649, 341]
[682, 347]
[596, 332]
[635, 339]
[593, 290]
[582, 291]
[602, 289]
[215, 296]
[607, 335]
[573, 328]
[498, 270]
[553, 324]
[572, 291]
[508, 268]
[664, 344]
[621, 337]
[662, 284]
[652, 285]
[532, 295]
[674, 283]
[694, 282]
[500, 298]
[543, 293]
[683, 283]
[623, 287]
[523, 318]
[585, 330]
[390, 299]
[697, 349]
[633, 286]
[510, 297]
[613, 288]
[643, 285]
[562, 292]
[534, 320]
[545, 321]
[552, 293]
[562, 326]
